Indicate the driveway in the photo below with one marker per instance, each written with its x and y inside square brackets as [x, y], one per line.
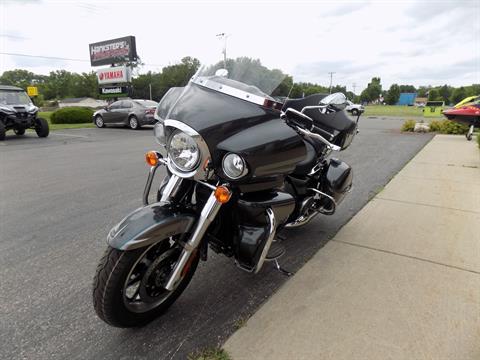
[62, 194]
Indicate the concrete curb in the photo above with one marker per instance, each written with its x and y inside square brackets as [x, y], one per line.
[401, 280]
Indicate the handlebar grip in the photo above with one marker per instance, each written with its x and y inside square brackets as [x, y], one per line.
[323, 132]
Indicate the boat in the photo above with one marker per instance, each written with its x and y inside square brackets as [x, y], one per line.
[466, 112]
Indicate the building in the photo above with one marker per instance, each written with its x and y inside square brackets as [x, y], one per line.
[82, 102]
[406, 99]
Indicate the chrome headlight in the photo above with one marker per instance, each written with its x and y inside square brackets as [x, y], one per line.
[183, 151]
[234, 166]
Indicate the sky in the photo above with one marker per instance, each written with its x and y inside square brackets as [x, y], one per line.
[406, 42]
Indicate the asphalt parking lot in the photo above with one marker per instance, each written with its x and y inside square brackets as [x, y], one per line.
[61, 195]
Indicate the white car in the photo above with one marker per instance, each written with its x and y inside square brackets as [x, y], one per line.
[354, 109]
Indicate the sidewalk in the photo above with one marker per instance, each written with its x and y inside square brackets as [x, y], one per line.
[400, 281]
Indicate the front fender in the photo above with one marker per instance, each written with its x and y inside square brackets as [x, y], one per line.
[150, 224]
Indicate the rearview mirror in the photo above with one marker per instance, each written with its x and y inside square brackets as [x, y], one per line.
[221, 73]
[336, 99]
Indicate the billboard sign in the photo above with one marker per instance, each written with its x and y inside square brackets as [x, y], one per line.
[113, 91]
[113, 51]
[114, 75]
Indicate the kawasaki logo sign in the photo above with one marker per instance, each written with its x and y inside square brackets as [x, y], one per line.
[113, 51]
[113, 90]
[114, 75]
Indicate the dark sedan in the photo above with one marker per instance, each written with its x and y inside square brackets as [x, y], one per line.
[128, 112]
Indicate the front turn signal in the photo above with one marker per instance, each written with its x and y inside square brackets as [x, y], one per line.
[222, 194]
[151, 158]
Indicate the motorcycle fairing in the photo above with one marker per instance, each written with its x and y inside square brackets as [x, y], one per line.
[150, 224]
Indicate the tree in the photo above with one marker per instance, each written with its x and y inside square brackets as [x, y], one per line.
[423, 91]
[407, 89]
[458, 95]
[445, 92]
[393, 95]
[373, 90]
[20, 78]
[434, 95]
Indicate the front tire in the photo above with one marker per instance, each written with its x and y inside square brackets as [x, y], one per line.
[117, 298]
[133, 123]
[2, 131]
[41, 128]
[354, 112]
[99, 121]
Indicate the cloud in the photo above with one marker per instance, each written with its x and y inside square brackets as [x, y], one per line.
[14, 36]
[468, 70]
[31, 62]
[342, 9]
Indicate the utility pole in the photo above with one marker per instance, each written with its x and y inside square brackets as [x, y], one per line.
[331, 77]
[150, 86]
[223, 36]
[354, 85]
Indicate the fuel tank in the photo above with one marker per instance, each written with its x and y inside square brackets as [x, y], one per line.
[270, 147]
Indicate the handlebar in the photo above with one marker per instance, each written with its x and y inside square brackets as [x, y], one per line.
[305, 125]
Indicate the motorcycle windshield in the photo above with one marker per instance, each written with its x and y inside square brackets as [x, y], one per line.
[244, 78]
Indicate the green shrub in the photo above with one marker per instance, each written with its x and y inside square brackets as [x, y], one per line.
[448, 127]
[72, 115]
[408, 125]
[436, 125]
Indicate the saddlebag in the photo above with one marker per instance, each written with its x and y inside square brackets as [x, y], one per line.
[254, 225]
[338, 179]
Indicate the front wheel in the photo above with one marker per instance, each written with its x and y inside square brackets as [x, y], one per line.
[354, 112]
[133, 123]
[41, 127]
[128, 286]
[99, 121]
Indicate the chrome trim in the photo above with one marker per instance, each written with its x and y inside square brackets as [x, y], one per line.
[207, 215]
[302, 220]
[171, 188]
[271, 235]
[313, 107]
[210, 186]
[245, 167]
[301, 114]
[151, 175]
[321, 138]
[148, 185]
[330, 212]
[316, 168]
[228, 90]
[200, 172]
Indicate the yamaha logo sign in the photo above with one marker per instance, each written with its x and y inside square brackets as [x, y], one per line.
[114, 75]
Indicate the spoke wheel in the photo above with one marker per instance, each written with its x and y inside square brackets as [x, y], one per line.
[144, 287]
[128, 288]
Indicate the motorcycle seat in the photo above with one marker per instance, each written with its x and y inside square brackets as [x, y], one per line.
[308, 163]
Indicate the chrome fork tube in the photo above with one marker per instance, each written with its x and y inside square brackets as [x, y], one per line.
[207, 215]
[171, 188]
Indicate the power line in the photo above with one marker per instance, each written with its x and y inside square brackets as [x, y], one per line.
[331, 78]
[43, 57]
[57, 58]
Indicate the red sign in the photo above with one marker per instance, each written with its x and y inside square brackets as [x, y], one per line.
[113, 75]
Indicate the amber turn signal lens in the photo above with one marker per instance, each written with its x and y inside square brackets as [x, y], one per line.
[151, 158]
[222, 194]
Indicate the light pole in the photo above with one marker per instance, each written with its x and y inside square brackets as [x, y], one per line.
[331, 78]
[223, 36]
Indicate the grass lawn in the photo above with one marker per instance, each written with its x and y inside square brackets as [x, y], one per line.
[392, 110]
[46, 115]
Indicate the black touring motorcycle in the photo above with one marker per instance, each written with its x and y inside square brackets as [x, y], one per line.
[241, 165]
